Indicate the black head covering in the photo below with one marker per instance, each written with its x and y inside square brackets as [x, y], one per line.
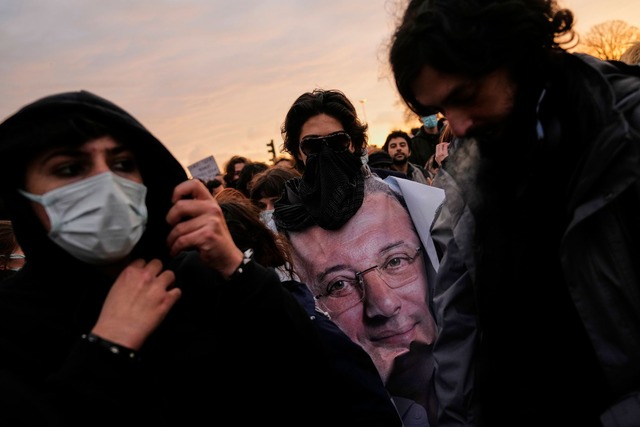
[328, 194]
[380, 159]
[26, 133]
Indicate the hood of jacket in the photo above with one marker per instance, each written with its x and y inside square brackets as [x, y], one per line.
[22, 135]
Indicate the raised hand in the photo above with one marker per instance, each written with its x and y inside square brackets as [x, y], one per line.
[137, 303]
[198, 223]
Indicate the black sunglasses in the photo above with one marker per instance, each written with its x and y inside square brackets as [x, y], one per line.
[336, 141]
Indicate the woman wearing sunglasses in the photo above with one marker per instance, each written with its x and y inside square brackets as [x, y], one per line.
[329, 144]
[349, 231]
[323, 119]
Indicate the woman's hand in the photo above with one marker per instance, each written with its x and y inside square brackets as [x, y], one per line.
[198, 223]
[442, 151]
[137, 303]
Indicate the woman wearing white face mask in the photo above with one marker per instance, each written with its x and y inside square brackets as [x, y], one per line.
[135, 298]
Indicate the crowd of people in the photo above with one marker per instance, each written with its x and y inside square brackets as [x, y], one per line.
[444, 279]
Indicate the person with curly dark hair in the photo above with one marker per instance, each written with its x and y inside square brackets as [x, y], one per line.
[399, 146]
[538, 292]
[322, 107]
[232, 170]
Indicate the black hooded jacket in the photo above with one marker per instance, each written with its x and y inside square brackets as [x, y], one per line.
[538, 292]
[241, 351]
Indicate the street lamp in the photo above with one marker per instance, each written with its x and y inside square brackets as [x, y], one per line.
[364, 110]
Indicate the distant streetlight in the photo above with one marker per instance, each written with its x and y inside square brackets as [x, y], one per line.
[364, 110]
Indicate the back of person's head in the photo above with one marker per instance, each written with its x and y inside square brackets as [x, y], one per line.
[246, 175]
[214, 185]
[333, 103]
[473, 38]
[396, 134]
[229, 193]
[270, 183]
[249, 232]
[285, 162]
[631, 56]
[380, 159]
[230, 169]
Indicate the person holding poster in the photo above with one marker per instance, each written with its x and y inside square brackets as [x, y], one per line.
[357, 246]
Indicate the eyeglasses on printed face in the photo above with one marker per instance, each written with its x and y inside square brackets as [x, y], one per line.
[343, 293]
[336, 141]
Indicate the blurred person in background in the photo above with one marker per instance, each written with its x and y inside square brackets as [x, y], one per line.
[424, 140]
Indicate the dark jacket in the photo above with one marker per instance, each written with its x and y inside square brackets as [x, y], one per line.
[353, 363]
[423, 145]
[242, 350]
[539, 316]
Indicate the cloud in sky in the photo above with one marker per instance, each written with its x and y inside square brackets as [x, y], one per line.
[213, 76]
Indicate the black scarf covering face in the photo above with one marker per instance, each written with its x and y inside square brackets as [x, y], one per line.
[328, 194]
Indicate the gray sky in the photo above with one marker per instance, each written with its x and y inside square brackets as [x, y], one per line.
[216, 77]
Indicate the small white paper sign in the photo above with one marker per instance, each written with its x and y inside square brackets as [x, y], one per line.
[206, 169]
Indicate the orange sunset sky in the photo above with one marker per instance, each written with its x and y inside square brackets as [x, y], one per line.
[216, 77]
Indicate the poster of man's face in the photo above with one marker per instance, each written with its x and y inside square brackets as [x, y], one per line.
[370, 276]
[379, 255]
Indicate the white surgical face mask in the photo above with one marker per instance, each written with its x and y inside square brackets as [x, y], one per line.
[97, 220]
[267, 218]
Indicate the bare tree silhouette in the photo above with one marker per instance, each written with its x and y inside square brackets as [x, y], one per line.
[609, 39]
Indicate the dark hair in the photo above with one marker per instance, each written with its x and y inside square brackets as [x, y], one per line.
[380, 159]
[270, 183]
[229, 193]
[249, 232]
[278, 161]
[52, 132]
[213, 184]
[246, 175]
[475, 37]
[333, 103]
[396, 134]
[230, 170]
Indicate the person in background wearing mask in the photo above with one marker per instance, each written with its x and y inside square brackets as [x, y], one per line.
[136, 306]
[423, 143]
[267, 187]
